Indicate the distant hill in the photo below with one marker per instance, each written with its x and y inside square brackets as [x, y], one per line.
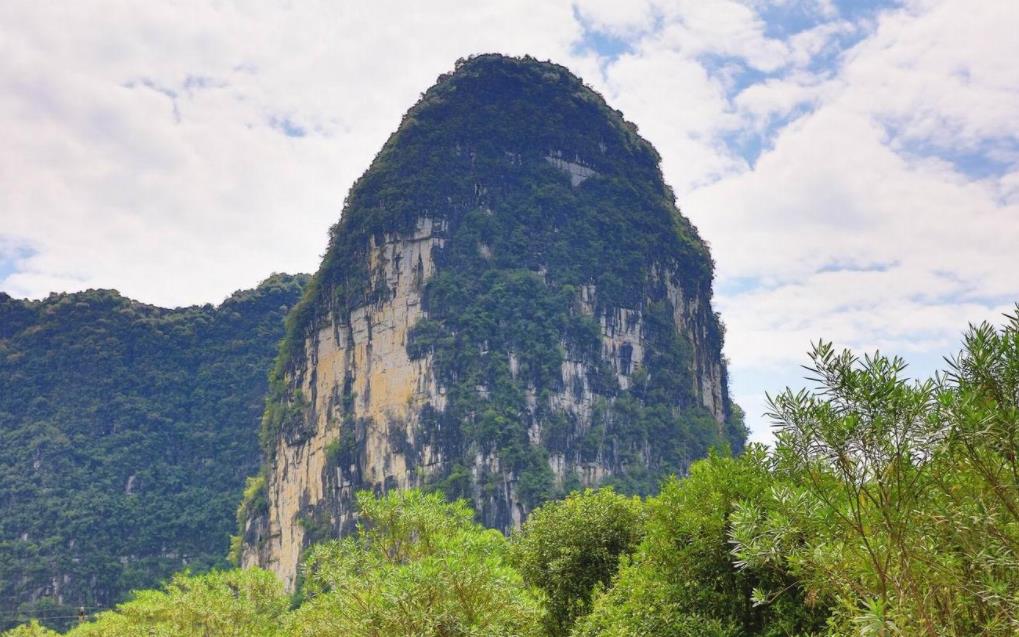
[126, 432]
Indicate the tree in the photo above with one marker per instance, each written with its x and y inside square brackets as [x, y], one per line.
[682, 581]
[568, 547]
[901, 498]
[860, 447]
[237, 603]
[417, 565]
[977, 484]
[31, 629]
[125, 433]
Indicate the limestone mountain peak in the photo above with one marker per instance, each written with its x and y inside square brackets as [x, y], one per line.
[511, 306]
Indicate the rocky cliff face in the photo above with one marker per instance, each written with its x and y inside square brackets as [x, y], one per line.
[511, 307]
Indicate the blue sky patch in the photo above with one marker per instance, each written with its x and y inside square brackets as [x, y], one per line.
[10, 255]
[836, 266]
[288, 127]
[606, 45]
[989, 159]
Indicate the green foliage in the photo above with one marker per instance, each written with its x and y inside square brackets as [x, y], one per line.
[860, 451]
[238, 603]
[284, 413]
[682, 580]
[568, 547]
[480, 137]
[342, 452]
[254, 502]
[126, 433]
[31, 629]
[903, 507]
[888, 507]
[977, 481]
[418, 565]
[316, 525]
[254, 498]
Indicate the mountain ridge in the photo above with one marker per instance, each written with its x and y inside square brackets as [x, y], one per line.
[126, 432]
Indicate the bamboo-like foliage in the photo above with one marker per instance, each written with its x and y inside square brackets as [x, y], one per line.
[897, 500]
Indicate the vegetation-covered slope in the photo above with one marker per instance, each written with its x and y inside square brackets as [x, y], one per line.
[126, 431]
[514, 253]
[887, 507]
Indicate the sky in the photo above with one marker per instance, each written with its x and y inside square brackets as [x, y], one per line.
[853, 165]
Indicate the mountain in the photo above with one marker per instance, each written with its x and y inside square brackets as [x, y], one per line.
[126, 433]
[511, 306]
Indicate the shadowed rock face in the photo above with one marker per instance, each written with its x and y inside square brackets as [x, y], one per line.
[511, 307]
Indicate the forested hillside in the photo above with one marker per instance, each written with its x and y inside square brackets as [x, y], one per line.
[887, 507]
[126, 431]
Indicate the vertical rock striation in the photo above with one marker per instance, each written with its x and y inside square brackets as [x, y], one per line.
[511, 307]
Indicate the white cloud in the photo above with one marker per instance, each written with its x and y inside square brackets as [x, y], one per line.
[848, 185]
[722, 27]
[805, 46]
[943, 73]
[620, 19]
[643, 84]
[145, 148]
[776, 98]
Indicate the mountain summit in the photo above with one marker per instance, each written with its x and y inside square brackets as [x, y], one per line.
[511, 306]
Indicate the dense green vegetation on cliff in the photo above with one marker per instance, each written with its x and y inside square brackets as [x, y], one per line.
[126, 432]
[887, 507]
[486, 156]
[477, 144]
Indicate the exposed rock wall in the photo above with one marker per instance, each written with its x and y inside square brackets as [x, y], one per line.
[358, 373]
[359, 377]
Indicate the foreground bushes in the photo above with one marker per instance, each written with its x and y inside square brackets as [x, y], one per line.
[570, 547]
[887, 507]
[418, 566]
[683, 579]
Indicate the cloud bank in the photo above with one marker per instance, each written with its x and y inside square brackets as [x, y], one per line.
[855, 167]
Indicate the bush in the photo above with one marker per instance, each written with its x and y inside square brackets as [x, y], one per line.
[418, 565]
[569, 547]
